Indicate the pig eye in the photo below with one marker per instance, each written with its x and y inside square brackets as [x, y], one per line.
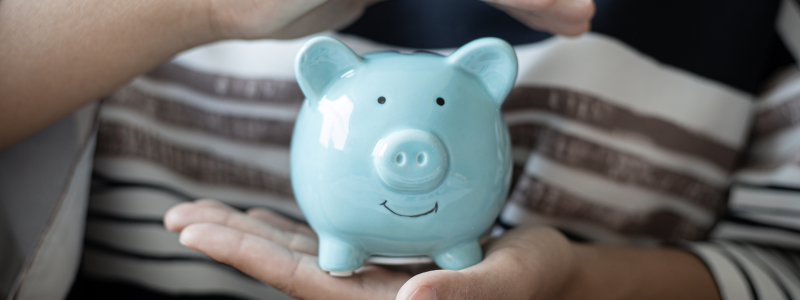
[440, 101]
[381, 100]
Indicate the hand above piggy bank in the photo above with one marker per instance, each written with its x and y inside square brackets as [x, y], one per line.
[401, 155]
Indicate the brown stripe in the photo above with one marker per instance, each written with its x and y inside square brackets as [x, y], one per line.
[229, 87]
[771, 163]
[119, 140]
[611, 164]
[605, 115]
[550, 201]
[249, 130]
[778, 118]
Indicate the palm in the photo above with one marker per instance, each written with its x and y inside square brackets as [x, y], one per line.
[275, 250]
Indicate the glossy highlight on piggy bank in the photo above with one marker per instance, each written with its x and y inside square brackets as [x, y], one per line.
[401, 155]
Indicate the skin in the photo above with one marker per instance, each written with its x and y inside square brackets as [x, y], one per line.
[58, 55]
[523, 263]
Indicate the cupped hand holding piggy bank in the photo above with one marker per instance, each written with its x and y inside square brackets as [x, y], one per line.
[401, 155]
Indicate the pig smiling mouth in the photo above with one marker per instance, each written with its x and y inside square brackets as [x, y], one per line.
[433, 210]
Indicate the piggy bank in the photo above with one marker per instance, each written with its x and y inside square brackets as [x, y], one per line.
[401, 155]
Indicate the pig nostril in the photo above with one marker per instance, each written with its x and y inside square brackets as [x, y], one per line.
[410, 161]
[421, 158]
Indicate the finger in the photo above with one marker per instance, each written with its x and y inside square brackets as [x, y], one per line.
[213, 203]
[478, 282]
[294, 273]
[567, 10]
[181, 216]
[279, 221]
[257, 257]
[552, 22]
[515, 267]
[175, 218]
[565, 17]
[334, 14]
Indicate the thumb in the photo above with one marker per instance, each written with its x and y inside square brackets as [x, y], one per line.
[433, 285]
[487, 280]
[524, 263]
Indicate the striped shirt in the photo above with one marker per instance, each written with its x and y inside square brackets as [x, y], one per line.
[609, 146]
[618, 137]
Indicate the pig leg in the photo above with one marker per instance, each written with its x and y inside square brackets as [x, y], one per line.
[460, 256]
[339, 257]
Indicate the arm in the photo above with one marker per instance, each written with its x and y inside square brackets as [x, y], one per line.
[57, 55]
[609, 272]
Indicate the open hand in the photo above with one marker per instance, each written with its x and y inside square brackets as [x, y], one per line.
[564, 17]
[531, 263]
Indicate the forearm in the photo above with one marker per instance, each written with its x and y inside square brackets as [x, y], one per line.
[57, 55]
[608, 272]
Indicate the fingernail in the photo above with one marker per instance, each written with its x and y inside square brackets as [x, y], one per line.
[423, 293]
[583, 1]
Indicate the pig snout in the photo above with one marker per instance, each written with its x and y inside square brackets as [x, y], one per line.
[410, 161]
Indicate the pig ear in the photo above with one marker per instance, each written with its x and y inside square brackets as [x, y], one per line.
[492, 61]
[320, 61]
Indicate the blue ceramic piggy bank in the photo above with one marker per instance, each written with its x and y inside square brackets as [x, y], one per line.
[401, 155]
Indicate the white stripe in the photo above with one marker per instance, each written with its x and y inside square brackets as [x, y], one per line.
[264, 58]
[145, 239]
[133, 202]
[516, 215]
[758, 235]
[730, 281]
[136, 170]
[788, 26]
[770, 219]
[789, 280]
[654, 154]
[768, 199]
[181, 94]
[787, 175]
[273, 159]
[605, 192]
[605, 67]
[247, 59]
[765, 287]
[176, 277]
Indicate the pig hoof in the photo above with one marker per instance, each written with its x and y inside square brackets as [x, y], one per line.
[459, 257]
[338, 256]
